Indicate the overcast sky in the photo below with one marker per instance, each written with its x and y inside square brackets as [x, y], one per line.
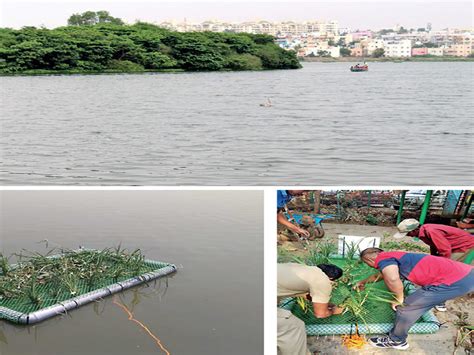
[373, 14]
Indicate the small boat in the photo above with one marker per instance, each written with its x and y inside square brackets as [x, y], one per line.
[357, 68]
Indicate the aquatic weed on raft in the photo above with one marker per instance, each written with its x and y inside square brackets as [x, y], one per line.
[42, 286]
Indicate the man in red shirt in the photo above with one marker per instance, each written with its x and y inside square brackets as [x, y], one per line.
[441, 279]
[444, 241]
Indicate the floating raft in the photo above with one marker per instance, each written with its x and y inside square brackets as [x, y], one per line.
[22, 312]
[380, 317]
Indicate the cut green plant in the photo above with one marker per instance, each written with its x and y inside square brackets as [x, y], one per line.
[65, 274]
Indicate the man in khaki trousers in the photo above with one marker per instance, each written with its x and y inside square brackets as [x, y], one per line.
[300, 280]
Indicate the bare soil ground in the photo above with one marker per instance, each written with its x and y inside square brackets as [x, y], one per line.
[441, 343]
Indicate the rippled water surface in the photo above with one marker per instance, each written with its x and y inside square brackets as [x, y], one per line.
[212, 305]
[399, 123]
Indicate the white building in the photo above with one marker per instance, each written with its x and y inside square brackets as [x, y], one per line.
[326, 28]
[332, 51]
[397, 49]
[439, 52]
[372, 45]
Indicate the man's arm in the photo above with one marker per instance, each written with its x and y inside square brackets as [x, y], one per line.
[372, 278]
[282, 220]
[391, 277]
[324, 310]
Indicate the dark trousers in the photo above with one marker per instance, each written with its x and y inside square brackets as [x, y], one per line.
[423, 300]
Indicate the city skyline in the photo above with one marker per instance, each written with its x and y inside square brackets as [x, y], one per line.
[355, 15]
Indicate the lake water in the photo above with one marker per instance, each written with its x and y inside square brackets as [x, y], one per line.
[212, 305]
[399, 123]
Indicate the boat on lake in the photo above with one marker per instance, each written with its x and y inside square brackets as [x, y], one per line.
[358, 67]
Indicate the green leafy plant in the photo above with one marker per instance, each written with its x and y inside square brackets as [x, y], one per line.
[407, 246]
[326, 249]
[32, 291]
[65, 275]
[372, 220]
[355, 301]
[4, 267]
[351, 249]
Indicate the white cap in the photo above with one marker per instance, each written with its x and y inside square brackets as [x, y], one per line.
[406, 226]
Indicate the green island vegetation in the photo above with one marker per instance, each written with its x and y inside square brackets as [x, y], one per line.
[95, 42]
[41, 280]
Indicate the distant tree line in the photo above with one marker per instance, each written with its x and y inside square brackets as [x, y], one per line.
[95, 42]
[93, 18]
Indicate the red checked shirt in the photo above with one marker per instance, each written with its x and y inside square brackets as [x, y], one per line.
[444, 240]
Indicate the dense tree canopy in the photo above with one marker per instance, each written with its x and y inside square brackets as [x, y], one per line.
[92, 18]
[107, 46]
[377, 53]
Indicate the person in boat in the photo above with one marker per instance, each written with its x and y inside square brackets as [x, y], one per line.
[283, 197]
[441, 279]
[314, 282]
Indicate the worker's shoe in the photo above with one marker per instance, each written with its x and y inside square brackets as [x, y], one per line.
[387, 343]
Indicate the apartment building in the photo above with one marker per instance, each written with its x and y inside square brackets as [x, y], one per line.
[419, 51]
[397, 49]
[325, 28]
[372, 45]
[437, 51]
[458, 50]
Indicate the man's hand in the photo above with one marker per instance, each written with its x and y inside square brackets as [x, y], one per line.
[359, 286]
[302, 232]
[337, 310]
[395, 304]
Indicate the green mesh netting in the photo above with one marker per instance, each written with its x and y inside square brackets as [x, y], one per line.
[50, 294]
[378, 317]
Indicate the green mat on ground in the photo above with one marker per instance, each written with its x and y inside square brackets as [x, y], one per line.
[377, 316]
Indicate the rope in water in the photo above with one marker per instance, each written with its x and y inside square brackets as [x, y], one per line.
[130, 317]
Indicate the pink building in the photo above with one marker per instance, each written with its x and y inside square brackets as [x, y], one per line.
[419, 51]
[356, 36]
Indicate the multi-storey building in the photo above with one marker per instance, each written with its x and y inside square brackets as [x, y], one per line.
[419, 51]
[371, 45]
[436, 51]
[458, 50]
[265, 27]
[397, 49]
